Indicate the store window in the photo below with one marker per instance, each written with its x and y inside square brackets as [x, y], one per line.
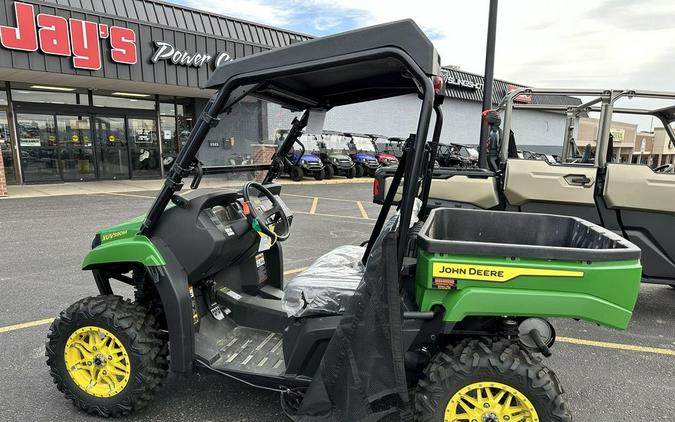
[76, 154]
[167, 124]
[111, 144]
[46, 97]
[143, 102]
[36, 134]
[6, 149]
[143, 147]
[184, 120]
[3, 97]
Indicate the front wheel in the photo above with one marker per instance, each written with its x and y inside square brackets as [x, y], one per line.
[296, 173]
[330, 171]
[107, 355]
[489, 381]
[351, 173]
[359, 170]
[319, 175]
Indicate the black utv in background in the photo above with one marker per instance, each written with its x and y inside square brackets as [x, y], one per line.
[456, 155]
[335, 161]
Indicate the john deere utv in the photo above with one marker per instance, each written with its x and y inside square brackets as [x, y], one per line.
[440, 317]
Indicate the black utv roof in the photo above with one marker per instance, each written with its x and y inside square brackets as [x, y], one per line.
[360, 65]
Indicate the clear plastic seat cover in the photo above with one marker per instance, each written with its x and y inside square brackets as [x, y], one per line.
[325, 287]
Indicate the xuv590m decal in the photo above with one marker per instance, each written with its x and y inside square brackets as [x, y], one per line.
[498, 274]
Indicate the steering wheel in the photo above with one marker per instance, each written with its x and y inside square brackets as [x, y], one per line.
[664, 168]
[263, 219]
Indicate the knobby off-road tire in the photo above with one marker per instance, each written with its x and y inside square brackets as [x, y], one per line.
[319, 175]
[296, 173]
[139, 335]
[359, 170]
[351, 173]
[330, 172]
[482, 361]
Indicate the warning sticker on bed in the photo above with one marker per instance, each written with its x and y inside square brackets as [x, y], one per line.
[494, 273]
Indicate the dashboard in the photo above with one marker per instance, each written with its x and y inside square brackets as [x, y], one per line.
[211, 232]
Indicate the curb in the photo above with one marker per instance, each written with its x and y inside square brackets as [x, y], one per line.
[80, 189]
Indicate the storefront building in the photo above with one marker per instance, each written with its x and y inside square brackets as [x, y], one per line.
[630, 145]
[109, 89]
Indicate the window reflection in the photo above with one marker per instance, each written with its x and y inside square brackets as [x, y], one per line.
[6, 149]
[37, 143]
[76, 155]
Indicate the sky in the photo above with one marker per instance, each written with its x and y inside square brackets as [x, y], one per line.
[617, 44]
[572, 43]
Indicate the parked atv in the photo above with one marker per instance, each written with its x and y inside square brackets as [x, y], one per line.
[450, 155]
[382, 146]
[301, 162]
[442, 315]
[300, 165]
[361, 151]
[336, 162]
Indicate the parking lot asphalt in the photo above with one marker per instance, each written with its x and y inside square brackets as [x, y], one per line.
[608, 375]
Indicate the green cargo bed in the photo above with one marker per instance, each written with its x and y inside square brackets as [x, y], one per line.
[475, 262]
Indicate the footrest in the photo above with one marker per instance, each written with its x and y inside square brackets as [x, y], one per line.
[252, 351]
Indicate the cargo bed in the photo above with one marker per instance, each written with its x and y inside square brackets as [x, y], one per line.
[523, 235]
[475, 262]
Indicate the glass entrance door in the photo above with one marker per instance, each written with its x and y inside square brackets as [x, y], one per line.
[76, 156]
[111, 142]
[144, 147]
[6, 149]
[36, 134]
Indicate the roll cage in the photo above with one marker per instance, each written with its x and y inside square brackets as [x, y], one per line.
[602, 101]
[367, 64]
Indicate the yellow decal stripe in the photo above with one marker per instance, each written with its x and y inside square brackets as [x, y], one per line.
[498, 274]
[113, 235]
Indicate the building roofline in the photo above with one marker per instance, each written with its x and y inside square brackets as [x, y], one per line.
[450, 68]
[206, 12]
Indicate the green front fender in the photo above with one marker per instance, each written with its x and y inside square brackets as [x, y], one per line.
[136, 248]
[477, 301]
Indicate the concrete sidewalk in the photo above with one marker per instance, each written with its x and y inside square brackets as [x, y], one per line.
[121, 186]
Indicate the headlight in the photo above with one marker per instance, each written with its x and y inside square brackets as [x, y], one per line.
[303, 162]
[335, 160]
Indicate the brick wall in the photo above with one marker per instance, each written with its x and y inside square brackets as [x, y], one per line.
[3, 180]
[262, 154]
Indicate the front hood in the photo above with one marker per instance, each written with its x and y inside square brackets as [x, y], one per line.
[311, 158]
[363, 156]
[386, 156]
[340, 157]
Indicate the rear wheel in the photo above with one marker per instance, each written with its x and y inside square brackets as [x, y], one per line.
[351, 173]
[107, 355]
[489, 381]
[319, 175]
[330, 171]
[296, 173]
[359, 170]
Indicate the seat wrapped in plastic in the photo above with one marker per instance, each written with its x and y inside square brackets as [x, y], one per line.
[325, 287]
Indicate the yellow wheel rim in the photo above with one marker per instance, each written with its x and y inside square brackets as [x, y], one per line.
[490, 402]
[97, 361]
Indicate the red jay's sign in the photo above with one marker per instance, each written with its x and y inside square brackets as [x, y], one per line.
[74, 38]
